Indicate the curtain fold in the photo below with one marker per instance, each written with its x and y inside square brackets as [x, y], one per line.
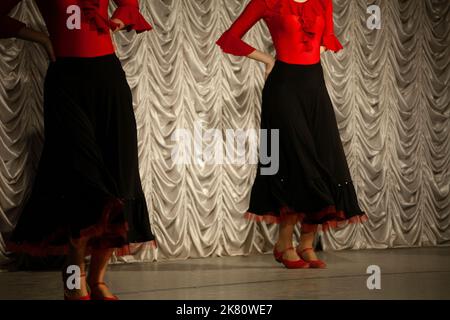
[390, 89]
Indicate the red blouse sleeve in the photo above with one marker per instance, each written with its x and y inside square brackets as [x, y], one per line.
[231, 41]
[329, 39]
[9, 27]
[128, 12]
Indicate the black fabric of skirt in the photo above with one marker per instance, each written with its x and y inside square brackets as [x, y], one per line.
[88, 182]
[313, 179]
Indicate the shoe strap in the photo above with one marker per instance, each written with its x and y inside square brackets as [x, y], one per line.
[305, 250]
[287, 249]
[97, 284]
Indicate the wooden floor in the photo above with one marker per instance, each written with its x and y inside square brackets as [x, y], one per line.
[405, 274]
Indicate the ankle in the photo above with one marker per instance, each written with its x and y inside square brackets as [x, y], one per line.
[283, 245]
[307, 253]
[303, 246]
[94, 281]
[290, 254]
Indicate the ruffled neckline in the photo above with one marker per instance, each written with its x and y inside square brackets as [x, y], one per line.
[296, 8]
[306, 13]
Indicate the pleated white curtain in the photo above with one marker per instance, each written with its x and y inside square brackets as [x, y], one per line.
[390, 88]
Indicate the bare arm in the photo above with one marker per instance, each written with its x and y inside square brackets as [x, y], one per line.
[231, 41]
[12, 28]
[265, 58]
[28, 34]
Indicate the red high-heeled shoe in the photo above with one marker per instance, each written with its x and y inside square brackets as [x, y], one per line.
[289, 264]
[277, 255]
[69, 298]
[315, 264]
[95, 296]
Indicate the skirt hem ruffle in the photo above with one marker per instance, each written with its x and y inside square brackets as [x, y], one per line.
[106, 234]
[337, 218]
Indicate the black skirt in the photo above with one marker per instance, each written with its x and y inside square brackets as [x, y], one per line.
[88, 182]
[313, 178]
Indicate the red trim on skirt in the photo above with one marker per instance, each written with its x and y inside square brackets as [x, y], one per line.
[337, 218]
[104, 234]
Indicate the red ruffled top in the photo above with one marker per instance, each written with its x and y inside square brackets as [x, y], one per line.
[298, 29]
[92, 39]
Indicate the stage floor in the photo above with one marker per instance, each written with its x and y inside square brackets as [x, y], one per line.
[405, 274]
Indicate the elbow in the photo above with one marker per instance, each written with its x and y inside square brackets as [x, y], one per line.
[233, 44]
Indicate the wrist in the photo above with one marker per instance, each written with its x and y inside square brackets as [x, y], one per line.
[41, 37]
[118, 23]
[270, 60]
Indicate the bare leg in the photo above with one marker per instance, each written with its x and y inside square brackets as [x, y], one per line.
[97, 271]
[307, 241]
[75, 257]
[286, 232]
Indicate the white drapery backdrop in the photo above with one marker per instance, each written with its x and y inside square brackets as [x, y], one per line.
[389, 87]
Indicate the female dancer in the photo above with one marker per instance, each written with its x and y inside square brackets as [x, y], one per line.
[87, 197]
[313, 185]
